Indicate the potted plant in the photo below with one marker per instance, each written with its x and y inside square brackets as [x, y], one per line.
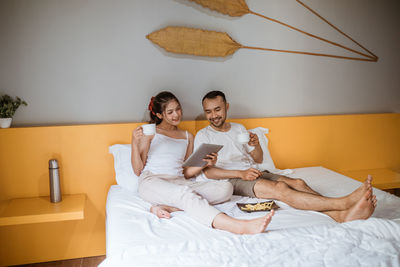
[8, 106]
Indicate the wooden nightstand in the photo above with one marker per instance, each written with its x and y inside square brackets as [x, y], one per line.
[40, 210]
[384, 179]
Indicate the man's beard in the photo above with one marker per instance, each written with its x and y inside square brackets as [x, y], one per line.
[220, 123]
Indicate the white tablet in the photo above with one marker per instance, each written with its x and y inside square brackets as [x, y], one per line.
[196, 159]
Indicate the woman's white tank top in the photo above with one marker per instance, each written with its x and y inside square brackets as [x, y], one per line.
[166, 155]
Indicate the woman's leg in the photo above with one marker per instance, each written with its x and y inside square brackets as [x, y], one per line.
[254, 226]
[223, 221]
[174, 193]
[215, 192]
[164, 192]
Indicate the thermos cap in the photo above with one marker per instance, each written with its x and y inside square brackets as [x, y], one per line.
[53, 164]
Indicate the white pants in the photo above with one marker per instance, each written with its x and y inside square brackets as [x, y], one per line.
[190, 196]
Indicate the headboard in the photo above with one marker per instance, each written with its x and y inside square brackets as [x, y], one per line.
[338, 142]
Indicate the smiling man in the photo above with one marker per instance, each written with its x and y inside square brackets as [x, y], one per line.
[236, 163]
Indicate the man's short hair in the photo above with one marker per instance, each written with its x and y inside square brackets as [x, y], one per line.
[213, 95]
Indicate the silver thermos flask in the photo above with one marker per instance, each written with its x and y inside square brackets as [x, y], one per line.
[54, 176]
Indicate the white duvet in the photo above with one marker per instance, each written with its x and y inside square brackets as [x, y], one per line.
[136, 237]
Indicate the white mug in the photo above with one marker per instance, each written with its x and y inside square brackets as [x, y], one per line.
[243, 138]
[149, 129]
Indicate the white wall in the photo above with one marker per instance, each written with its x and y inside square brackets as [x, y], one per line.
[88, 61]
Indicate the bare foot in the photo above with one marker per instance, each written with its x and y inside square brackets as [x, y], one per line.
[374, 201]
[363, 209]
[353, 198]
[163, 211]
[256, 226]
[160, 212]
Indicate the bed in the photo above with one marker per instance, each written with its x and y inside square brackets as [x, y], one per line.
[135, 237]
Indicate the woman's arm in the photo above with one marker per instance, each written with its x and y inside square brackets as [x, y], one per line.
[140, 148]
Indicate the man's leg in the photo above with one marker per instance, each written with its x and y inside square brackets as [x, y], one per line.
[279, 190]
[295, 183]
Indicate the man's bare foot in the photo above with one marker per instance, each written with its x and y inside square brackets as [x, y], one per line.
[363, 209]
[256, 226]
[353, 198]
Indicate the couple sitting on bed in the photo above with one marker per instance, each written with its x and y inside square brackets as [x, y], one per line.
[157, 160]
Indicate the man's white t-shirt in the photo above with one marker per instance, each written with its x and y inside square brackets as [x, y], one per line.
[233, 155]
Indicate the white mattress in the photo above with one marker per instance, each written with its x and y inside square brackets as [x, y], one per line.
[135, 237]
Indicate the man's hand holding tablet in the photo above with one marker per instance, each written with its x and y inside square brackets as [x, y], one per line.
[211, 159]
[205, 154]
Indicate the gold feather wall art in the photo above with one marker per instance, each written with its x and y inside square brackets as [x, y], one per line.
[198, 42]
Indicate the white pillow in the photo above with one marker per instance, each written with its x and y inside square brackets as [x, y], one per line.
[124, 174]
[268, 163]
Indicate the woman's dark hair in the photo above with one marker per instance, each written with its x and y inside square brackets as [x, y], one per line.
[158, 103]
[213, 95]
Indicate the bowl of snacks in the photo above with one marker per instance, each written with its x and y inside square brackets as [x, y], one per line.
[259, 206]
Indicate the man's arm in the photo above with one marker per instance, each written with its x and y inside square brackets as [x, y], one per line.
[217, 173]
[190, 172]
[257, 152]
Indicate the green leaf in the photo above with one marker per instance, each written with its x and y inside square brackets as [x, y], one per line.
[8, 106]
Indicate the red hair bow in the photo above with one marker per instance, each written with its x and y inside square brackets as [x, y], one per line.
[151, 104]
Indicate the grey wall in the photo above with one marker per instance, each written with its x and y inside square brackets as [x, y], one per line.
[88, 61]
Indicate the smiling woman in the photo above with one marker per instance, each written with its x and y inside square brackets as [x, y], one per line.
[165, 106]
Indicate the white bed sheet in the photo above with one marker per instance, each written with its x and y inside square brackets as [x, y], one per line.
[136, 237]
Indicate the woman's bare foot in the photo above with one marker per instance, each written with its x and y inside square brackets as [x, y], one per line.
[236, 226]
[363, 209]
[256, 226]
[162, 211]
[355, 196]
